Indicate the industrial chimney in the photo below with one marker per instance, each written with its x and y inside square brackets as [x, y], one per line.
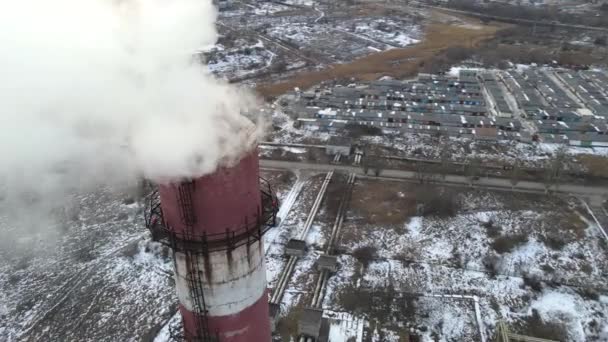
[214, 225]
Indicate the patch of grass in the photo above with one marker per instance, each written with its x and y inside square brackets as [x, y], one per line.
[383, 203]
[507, 243]
[357, 131]
[354, 300]
[554, 241]
[365, 255]
[492, 229]
[533, 283]
[334, 194]
[287, 327]
[603, 244]
[438, 202]
[587, 268]
[408, 253]
[573, 222]
[378, 304]
[562, 228]
[494, 305]
[457, 258]
[547, 268]
[534, 326]
[130, 250]
[14, 279]
[83, 255]
[596, 166]
[589, 294]
[490, 262]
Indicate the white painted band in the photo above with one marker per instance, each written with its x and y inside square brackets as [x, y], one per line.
[231, 282]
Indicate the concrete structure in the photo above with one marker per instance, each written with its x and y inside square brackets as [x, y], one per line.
[448, 105]
[338, 145]
[274, 312]
[486, 133]
[504, 335]
[295, 248]
[214, 224]
[537, 104]
[496, 94]
[310, 322]
[562, 105]
[327, 263]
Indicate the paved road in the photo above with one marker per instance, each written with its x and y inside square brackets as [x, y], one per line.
[455, 180]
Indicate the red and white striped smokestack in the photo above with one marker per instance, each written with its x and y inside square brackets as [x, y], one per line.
[214, 224]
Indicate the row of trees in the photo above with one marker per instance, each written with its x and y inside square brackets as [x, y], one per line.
[497, 54]
[546, 14]
[432, 172]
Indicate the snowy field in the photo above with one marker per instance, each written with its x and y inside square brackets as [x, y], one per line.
[354, 37]
[240, 61]
[299, 202]
[533, 262]
[321, 34]
[392, 32]
[539, 264]
[89, 275]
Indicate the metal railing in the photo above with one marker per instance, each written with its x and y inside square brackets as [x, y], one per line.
[250, 231]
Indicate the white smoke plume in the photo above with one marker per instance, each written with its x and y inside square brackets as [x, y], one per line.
[102, 91]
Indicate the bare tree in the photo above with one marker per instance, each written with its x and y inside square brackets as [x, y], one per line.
[444, 158]
[515, 173]
[377, 171]
[373, 163]
[365, 165]
[422, 171]
[472, 170]
[555, 167]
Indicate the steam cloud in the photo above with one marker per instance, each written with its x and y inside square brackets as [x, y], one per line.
[95, 91]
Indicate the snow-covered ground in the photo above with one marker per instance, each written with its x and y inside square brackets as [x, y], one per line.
[92, 277]
[558, 271]
[539, 264]
[308, 3]
[300, 201]
[237, 62]
[92, 274]
[364, 36]
[101, 279]
[388, 31]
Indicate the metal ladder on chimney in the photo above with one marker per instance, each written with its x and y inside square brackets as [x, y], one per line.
[188, 218]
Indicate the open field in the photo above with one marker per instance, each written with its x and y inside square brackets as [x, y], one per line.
[92, 274]
[398, 63]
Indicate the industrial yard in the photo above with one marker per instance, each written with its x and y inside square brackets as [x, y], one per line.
[408, 256]
[532, 104]
[260, 40]
[424, 262]
[396, 248]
